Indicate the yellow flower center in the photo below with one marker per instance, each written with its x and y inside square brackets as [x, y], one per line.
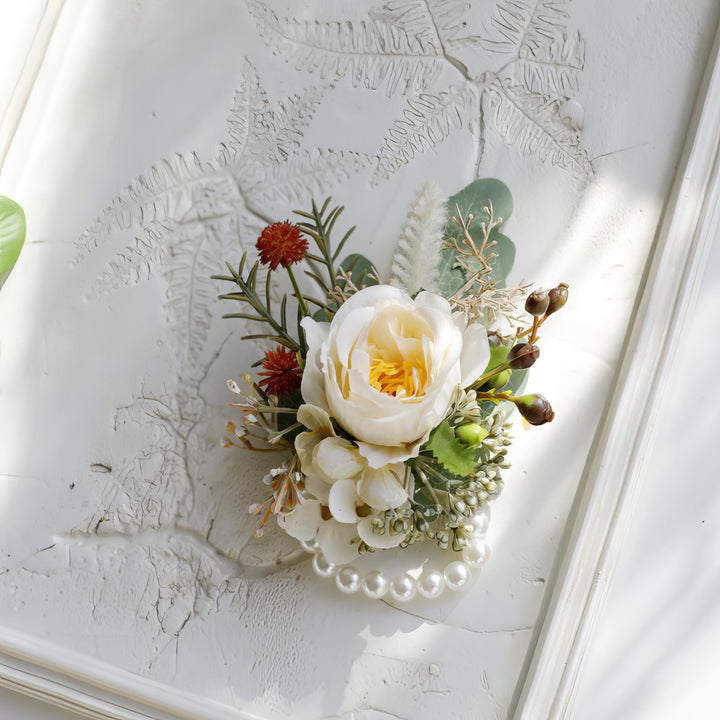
[400, 377]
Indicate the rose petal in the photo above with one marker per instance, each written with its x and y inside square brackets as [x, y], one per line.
[336, 541]
[384, 488]
[337, 458]
[475, 354]
[386, 540]
[371, 297]
[305, 443]
[379, 455]
[312, 385]
[342, 501]
[432, 300]
[303, 522]
[318, 488]
[315, 418]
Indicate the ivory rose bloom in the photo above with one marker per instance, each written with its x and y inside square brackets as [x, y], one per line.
[387, 366]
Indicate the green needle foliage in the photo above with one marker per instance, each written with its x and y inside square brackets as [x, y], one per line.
[262, 307]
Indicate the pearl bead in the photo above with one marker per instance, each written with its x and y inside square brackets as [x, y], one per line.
[431, 583]
[476, 552]
[403, 588]
[310, 546]
[479, 523]
[348, 580]
[375, 585]
[322, 567]
[457, 574]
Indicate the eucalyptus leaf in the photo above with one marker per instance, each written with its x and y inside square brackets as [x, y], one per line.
[450, 278]
[475, 199]
[362, 273]
[12, 235]
[504, 257]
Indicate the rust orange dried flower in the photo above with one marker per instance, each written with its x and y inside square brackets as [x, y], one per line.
[282, 373]
[281, 243]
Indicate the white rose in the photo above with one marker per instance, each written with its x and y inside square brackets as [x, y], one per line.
[387, 366]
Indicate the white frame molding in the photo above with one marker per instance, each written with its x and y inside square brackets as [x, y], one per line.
[606, 497]
[31, 67]
[615, 469]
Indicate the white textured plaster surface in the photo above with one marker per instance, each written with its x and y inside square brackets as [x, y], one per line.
[124, 526]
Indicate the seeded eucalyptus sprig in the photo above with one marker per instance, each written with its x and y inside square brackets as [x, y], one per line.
[263, 308]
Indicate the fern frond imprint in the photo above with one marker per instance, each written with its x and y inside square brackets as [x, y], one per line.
[440, 23]
[520, 27]
[305, 174]
[554, 70]
[533, 125]
[428, 120]
[372, 52]
[170, 189]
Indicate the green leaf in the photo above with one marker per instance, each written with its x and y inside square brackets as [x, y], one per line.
[475, 199]
[362, 274]
[455, 457]
[450, 278]
[501, 264]
[12, 235]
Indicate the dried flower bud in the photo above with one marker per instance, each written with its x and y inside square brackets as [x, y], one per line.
[522, 356]
[537, 303]
[535, 409]
[558, 297]
[471, 434]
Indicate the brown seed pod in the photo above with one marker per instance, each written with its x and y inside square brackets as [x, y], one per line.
[522, 356]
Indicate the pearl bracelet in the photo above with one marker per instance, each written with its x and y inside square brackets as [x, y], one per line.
[404, 586]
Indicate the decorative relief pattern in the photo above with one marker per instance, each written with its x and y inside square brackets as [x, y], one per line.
[405, 44]
[518, 74]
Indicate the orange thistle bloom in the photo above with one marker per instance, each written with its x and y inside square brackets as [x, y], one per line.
[282, 373]
[281, 244]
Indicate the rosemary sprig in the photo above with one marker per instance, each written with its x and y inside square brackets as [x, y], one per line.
[263, 311]
[319, 227]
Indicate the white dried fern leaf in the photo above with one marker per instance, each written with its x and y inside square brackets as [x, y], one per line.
[304, 175]
[554, 71]
[427, 121]
[177, 189]
[533, 126]
[371, 52]
[415, 264]
[519, 26]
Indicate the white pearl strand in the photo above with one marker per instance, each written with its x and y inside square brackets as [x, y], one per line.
[403, 587]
